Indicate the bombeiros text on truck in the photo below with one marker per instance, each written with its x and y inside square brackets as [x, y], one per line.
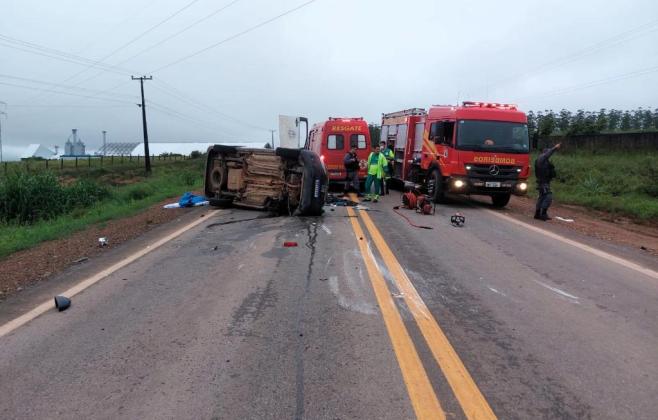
[474, 148]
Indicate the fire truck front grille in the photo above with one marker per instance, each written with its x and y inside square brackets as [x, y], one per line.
[489, 171]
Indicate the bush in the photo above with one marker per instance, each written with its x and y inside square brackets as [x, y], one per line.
[27, 198]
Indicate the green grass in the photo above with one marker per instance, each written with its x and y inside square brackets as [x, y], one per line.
[166, 181]
[620, 183]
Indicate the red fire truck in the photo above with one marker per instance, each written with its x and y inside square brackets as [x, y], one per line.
[332, 139]
[473, 148]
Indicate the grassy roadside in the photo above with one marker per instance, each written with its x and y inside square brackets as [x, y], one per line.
[129, 193]
[619, 183]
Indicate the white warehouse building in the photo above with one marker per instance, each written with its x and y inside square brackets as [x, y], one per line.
[157, 149]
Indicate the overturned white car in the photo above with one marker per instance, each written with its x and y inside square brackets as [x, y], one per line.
[284, 181]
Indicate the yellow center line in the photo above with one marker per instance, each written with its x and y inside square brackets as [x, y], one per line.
[468, 394]
[423, 399]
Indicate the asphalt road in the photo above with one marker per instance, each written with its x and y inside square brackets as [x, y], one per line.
[367, 317]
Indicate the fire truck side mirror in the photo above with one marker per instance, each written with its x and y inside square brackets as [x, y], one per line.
[437, 130]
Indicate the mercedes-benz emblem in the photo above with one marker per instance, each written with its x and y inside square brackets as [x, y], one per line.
[494, 170]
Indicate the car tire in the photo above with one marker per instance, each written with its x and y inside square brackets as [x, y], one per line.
[222, 202]
[500, 200]
[314, 184]
[288, 154]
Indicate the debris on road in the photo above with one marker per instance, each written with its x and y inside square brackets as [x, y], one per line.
[80, 260]
[188, 200]
[62, 303]
[289, 244]
[563, 219]
[102, 241]
[458, 220]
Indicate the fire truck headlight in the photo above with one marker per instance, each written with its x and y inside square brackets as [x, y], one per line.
[458, 183]
[468, 167]
[322, 158]
[518, 169]
[522, 186]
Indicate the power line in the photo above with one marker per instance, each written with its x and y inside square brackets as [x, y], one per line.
[69, 87]
[232, 37]
[175, 93]
[59, 55]
[621, 37]
[64, 93]
[594, 83]
[203, 19]
[138, 37]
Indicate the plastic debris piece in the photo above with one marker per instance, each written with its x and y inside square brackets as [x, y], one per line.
[289, 244]
[102, 241]
[62, 303]
[564, 219]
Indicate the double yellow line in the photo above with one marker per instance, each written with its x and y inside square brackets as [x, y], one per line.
[423, 398]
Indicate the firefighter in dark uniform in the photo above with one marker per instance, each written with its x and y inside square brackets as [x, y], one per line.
[544, 172]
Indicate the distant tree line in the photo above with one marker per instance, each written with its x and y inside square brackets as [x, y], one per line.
[567, 123]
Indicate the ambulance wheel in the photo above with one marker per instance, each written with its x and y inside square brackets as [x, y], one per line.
[500, 200]
[435, 187]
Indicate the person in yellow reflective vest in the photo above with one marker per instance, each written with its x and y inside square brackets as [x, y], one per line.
[388, 169]
[376, 164]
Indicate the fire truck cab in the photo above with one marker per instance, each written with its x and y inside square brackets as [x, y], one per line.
[332, 139]
[474, 148]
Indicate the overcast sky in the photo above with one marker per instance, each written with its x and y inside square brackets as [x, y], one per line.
[328, 58]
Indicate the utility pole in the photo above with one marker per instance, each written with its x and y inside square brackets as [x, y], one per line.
[147, 156]
[1, 115]
[272, 131]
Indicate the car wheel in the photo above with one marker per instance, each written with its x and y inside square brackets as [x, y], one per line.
[222, 202]
[314, 184]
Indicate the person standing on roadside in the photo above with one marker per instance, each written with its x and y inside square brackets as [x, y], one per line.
[544, 172]
[351, 162]
[376, 163]
[388, 169]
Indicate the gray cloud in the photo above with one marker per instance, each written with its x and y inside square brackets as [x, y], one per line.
[332, 57]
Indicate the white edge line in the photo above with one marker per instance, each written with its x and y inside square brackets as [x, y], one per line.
[612, 258]
[15, 323]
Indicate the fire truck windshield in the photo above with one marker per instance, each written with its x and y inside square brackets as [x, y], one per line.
[494, 136]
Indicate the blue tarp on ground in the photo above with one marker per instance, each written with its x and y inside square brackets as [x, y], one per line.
[188, 200]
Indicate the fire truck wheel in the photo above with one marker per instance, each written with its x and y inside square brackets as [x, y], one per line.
[500, 200]
[222, 202]
[435, 188]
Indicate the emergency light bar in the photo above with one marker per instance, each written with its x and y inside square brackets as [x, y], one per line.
[469, 104]
[344, 119]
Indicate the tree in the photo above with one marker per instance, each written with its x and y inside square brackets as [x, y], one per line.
[601, 121]
[636, 119]
[547, 124]
[647, 120]
[375, 132]
[625, 123]
[614, 119]
[268, 145]
[564, 121]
